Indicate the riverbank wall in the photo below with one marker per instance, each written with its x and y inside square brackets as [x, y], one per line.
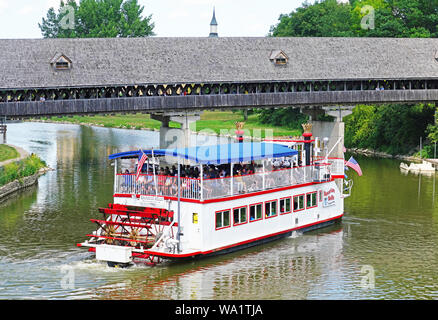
[20, 184]
[379, 154]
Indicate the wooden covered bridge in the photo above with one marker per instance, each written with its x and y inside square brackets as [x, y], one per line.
[176, 77]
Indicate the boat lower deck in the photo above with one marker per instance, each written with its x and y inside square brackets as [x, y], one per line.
[249, 243]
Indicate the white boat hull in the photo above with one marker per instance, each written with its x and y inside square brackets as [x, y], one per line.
[203, 237]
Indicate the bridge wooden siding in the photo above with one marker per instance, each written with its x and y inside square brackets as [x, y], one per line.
[145, 104]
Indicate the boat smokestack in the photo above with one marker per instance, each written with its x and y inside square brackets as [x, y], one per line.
[239, 131]
[307, 134]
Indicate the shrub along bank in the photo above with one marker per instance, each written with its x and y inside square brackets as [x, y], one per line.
[393, 129]
[21, 169]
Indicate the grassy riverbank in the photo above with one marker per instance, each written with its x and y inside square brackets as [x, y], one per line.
[210, 120]
[7, 152]
[20, 169]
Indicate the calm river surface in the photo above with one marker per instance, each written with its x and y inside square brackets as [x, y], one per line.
[389, 234]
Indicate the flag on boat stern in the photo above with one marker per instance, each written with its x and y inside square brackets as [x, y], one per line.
[141, 162]
[354, 165]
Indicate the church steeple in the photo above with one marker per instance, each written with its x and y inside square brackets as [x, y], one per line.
[213, 25]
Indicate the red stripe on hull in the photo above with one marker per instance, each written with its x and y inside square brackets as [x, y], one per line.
[170, 255]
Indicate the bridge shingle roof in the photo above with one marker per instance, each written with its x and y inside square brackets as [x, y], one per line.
[25, 63]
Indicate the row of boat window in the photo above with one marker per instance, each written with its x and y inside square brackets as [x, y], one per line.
[284, 206]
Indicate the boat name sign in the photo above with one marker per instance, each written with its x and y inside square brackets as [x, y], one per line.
[329, 198]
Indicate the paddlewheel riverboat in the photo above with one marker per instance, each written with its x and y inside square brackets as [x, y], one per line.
[205, 200]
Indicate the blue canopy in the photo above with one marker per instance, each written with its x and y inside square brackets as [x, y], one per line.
[219, 154]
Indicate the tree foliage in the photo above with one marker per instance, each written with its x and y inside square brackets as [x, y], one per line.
[97, 19]
[287, 117]
[393, 128]
[328, 18]
[322, 19]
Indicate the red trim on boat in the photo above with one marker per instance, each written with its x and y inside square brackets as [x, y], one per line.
[246, 195]
[173, 255]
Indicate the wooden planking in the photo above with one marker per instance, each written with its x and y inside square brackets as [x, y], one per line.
[201, 102]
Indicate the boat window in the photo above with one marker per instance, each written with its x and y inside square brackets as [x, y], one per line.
[255, 212]
[239, 215]
[311, 200]
[285, 206]
[222, 219]
[299, 202]
[270, 208]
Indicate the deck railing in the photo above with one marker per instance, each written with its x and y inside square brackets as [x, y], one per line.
[205, 189]
[161, 186]
[259, 181]
[337, 166]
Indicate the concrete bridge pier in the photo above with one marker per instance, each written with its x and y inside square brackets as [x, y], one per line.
[3, 129]
[175, 137]
[334, 131]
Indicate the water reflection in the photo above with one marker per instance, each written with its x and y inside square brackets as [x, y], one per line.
[390, 224]
[396, 230]
[286, 267]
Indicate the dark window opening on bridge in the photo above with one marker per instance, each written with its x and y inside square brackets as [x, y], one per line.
[61, 62]
[62, 65]
[278, 57]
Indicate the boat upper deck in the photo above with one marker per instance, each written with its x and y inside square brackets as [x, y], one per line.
[222, 171]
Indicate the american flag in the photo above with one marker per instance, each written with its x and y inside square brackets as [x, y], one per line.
[141, 162]
[354, 165]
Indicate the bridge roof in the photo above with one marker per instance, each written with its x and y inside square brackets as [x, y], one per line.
[25, 63]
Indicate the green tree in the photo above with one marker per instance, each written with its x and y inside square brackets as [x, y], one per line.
[397, 18]
[322, 19]
[54, 25]
[97, 19]
[393, 128]
[286, 117]
[328, 18]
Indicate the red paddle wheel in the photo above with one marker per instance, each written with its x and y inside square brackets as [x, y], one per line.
[139, 228]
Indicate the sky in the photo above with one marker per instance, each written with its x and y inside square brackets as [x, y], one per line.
[172, 18]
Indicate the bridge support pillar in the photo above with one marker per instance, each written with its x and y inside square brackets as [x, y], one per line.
[175, 137]
[340, 113]
[334, 131]
[3, 129]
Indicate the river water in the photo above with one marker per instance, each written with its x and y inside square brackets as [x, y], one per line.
[386, 247]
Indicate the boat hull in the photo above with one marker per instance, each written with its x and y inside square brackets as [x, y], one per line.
[209, 228]
[255, 242]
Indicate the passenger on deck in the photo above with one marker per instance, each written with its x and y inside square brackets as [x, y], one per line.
[241, 187]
